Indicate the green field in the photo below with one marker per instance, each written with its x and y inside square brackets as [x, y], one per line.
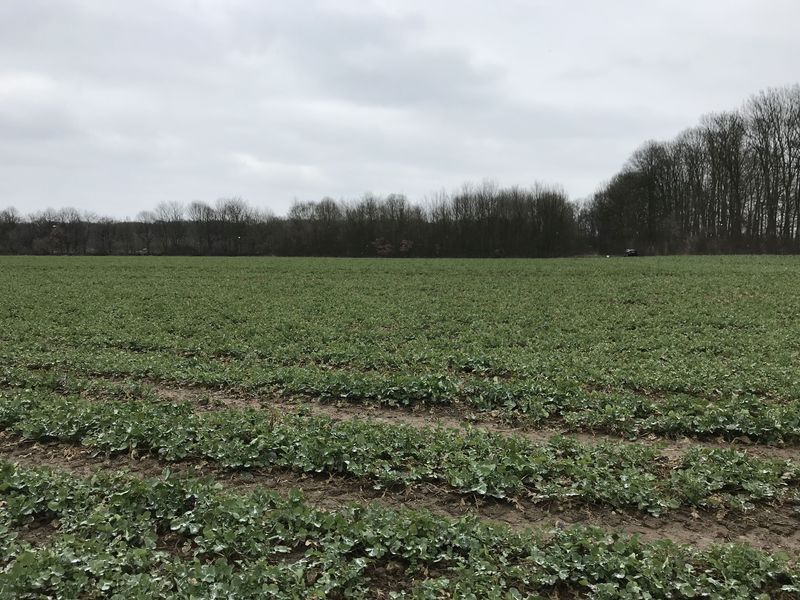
[606, 428]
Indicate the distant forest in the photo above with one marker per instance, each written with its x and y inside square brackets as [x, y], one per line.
[731, 184]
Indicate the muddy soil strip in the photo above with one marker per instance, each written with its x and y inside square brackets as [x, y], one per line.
[451, 417]
[768, 528]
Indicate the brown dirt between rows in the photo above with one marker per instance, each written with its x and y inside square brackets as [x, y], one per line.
[767, 528]
[38, 533]
[452, 417]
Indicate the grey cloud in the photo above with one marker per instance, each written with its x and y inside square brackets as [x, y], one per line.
[115, 106]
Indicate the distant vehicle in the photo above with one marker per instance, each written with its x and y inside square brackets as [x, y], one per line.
[631, 252]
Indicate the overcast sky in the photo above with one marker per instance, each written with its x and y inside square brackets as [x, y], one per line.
[113, 106]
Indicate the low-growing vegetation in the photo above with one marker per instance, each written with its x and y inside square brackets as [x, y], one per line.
[644, 395]
[117, 537]
[468, 461]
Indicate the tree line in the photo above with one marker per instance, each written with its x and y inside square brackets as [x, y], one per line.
[478, 220]
[730, 184]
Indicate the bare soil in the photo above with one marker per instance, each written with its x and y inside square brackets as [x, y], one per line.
[38, 533]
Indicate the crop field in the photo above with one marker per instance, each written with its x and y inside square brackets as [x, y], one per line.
[345, 428]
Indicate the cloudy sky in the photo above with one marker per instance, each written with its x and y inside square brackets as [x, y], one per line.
[115, 105]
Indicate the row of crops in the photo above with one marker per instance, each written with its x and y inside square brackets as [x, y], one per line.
[471, 461]
[112, 537]
[573, 408]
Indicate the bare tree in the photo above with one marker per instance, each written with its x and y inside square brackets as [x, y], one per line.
[171, 225]
[9, 219]
[204, 218]
[145, 229]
